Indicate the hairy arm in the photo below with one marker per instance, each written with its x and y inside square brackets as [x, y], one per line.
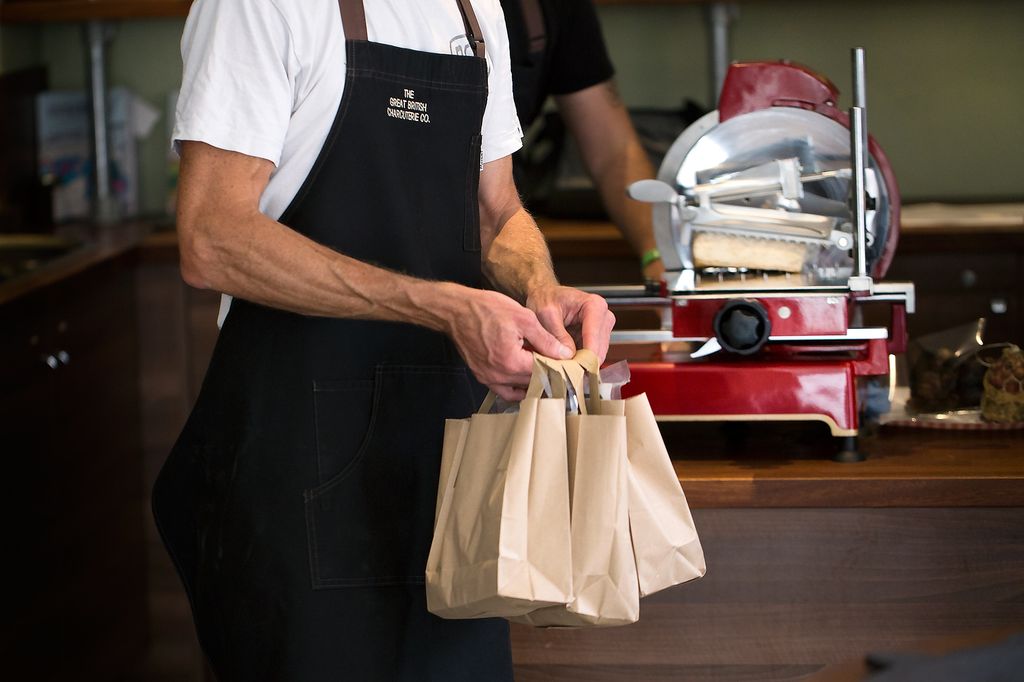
[228, 245]
[614, 157]
[516, 259]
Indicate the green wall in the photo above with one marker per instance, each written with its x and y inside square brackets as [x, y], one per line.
[19, 47]
[142, 56]
[945, 79]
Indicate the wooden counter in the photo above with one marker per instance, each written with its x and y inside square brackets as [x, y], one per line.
[813, 562]
[73, 511]
[785, 465]
[98, 245]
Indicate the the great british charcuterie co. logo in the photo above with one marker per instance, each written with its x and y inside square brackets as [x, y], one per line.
[408, 108]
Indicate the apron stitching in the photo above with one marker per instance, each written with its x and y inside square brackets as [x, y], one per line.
[314, 554]
[316, 435]
[307, 185]
[322, 489]
[392, 77]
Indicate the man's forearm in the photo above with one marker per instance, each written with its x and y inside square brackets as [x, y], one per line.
[518, 261]
[613, 155]
[268, 263]
[515, 255]
[632, 217]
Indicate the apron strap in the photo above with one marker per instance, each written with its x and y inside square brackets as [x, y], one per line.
[353, 19]
[473, 32]
[536, 36]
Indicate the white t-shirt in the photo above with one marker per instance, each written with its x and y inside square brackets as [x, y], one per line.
[265, 77]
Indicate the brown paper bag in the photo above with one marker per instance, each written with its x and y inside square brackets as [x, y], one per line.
[605, 587]
[501, 542]
[665, 541]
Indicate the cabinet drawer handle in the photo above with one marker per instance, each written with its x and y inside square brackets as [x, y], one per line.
[51, 361]
[64, 357]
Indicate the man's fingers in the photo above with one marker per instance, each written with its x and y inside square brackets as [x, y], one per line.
[546, 344]
[597, 325]
[550, 318]
[520, 369]
[510, 393]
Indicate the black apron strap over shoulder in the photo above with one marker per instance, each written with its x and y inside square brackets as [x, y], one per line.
[353, 19]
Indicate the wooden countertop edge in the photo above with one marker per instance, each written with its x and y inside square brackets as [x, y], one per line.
[99, 244]
[840, 493]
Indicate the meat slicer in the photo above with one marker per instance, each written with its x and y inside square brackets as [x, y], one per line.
[775, 238]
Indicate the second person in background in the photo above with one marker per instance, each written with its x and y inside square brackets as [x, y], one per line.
[557, 49]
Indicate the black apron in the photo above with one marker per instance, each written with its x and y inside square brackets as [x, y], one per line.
[298, 502]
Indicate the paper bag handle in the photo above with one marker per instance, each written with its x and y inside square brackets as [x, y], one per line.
[547, 373]
[587, 361]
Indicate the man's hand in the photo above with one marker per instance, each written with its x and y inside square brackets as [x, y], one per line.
[495, 336]
[577, 319]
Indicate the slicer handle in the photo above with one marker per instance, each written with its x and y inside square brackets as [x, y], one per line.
[652, 192]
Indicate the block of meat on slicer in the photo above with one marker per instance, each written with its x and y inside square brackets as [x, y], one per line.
[726, 251]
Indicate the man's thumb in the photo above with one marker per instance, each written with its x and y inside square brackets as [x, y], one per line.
[546, 344]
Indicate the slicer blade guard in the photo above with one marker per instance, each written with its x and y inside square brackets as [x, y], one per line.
[764, 184]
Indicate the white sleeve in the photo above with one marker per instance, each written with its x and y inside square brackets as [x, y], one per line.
[500, 132]
[237, 89]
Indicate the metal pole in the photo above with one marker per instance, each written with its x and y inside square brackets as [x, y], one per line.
[720, 16]
[105, 208]
[860, 94]
[858, 155]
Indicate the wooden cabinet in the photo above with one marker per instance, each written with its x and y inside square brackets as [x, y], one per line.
[962, 276]
[73, 504]
[177, 331]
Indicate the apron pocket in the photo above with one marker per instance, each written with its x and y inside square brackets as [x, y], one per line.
[343, 414]
[371, 522]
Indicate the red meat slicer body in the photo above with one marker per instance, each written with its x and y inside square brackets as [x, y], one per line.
[774, 237]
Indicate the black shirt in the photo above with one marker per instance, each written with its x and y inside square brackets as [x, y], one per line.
[574, 56]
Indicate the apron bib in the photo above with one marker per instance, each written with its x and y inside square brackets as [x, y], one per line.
[298, 502]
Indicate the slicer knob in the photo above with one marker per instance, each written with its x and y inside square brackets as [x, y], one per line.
[742, 326]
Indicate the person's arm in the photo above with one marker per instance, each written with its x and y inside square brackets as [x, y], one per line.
[516, 259]
[228, 245]
[614, 157]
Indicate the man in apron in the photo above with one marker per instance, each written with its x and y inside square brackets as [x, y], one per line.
[344, 174]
